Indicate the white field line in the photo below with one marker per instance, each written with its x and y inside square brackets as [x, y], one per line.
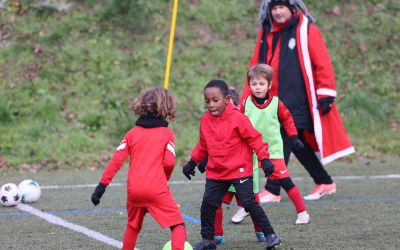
[351, 177]
[112, 242]
[112, 185]
[74, 227]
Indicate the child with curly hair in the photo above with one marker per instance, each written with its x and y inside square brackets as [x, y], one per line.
[150, 146]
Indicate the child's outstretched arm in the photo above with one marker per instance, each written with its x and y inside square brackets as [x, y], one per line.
[199, 153]
[112, 168]
[286, 121]
[119, 157]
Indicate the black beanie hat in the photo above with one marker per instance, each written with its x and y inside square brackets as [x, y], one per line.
[281, 2]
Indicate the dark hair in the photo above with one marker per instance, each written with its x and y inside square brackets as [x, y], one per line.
[156, 102]
[234, 96]
[218, 84]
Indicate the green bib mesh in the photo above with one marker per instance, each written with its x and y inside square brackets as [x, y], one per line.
[267, 123]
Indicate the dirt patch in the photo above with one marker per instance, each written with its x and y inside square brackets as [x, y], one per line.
[205, 35]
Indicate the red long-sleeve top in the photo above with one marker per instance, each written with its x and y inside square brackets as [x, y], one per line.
[229, 141]
[152, 159]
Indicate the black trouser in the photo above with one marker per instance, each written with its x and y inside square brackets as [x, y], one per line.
[307, 158]
[213, 194]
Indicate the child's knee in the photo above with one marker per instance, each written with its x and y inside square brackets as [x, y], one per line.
[287, 184]
[134, 226]
[178, 225]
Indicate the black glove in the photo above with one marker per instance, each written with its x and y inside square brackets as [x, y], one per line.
[98, 192]
[188, 169]
[202, 165]
[296, 143]
[325, 104]
[267, 166]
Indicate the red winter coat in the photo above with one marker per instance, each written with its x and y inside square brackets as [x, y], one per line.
[152, 159]
[229, 141]
[330, 139]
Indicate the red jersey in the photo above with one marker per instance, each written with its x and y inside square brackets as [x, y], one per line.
[152, 159]
[229, 141]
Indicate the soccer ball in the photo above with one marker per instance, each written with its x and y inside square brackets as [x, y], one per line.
[10, 195]
[30, 191]
[168, 246]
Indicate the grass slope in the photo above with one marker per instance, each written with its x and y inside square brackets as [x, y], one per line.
[68, 78]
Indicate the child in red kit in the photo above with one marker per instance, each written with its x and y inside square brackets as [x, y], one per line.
[228, 197]
[267, 114]
[228, 139]
[150, 146]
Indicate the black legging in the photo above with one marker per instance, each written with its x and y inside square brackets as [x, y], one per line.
[274, 186]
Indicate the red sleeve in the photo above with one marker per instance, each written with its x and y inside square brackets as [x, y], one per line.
[200, 150]
[116, 162]
[246, 92]
[253, 138]
[321, 61]
[243, 105]
[169, 157]
[286, 120]
[253, 61]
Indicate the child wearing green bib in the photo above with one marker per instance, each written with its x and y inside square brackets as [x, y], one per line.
[268, 115]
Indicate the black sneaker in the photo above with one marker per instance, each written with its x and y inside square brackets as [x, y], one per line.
[272, 241]
[205, 244]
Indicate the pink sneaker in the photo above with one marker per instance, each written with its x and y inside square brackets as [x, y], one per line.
[321, 190]
[267, 197]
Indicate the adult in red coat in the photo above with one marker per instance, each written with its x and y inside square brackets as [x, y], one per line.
[304, 80]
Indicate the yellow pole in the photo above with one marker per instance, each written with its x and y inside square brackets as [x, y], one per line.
[171, 44]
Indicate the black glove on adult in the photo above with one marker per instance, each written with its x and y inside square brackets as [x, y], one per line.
[325, 104]
[98, 193]
[267, 166]
[188, 169]
[296, 143]
[202, 165]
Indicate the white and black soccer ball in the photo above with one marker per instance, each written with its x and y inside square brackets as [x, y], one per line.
[10, 195]
[30, 190]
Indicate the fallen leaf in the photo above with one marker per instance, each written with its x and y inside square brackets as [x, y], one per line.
[336, 10]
